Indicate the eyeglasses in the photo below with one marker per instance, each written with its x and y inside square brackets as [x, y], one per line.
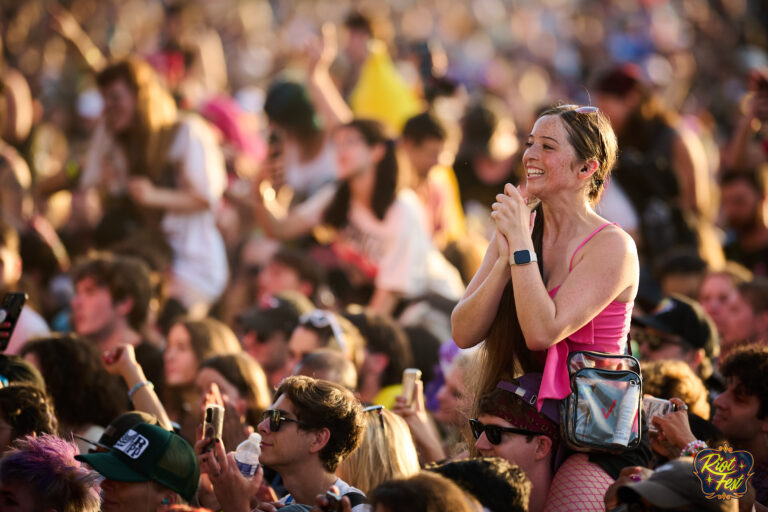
[379, 409]
[276, 419]
[581, 109]
[656, 340]
[493, 432]
[320, 319]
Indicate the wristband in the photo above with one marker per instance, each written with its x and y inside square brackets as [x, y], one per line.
[138, 385]
[693, 448]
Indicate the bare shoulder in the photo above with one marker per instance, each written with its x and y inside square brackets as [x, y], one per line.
[612, 241]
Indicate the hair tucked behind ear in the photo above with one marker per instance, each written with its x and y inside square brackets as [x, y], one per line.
[593, 138]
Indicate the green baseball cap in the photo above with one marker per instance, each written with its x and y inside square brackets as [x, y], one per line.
[150, 453]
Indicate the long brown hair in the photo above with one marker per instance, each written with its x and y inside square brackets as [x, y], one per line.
[387, 175]
[147, 141]
[504, 355]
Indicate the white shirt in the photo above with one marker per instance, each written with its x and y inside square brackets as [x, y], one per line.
[397, 247]
[200, 261]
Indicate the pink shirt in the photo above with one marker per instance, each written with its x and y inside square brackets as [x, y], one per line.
[606, 332]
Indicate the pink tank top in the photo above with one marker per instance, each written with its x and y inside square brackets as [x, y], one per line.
[607, 332]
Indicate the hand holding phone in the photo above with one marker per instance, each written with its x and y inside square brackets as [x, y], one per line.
[410, 376]
[334, 502]
[656, 407]
[213, 423]
[10, 311]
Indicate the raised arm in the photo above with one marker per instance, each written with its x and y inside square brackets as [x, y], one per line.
[473, 315]
[66, 25]
[325, 95]
[287, 225]
[606, 269]
[122, 362]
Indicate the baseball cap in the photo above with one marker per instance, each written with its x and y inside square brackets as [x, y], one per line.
[149, 453]
[118, 427]
[684, 317]
[524, 391]
[278, 313]
[672, 486]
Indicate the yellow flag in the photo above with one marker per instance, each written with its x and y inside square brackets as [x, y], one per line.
[381, 93]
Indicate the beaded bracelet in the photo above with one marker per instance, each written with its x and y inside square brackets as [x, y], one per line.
[693, 448]
[138, 385]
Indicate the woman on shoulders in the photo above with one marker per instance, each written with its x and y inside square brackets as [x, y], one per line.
[561, 278]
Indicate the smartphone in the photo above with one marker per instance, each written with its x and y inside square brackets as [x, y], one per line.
[410, 376]
[656, 407]
[213, 423]
[334, 502]
[10, 310]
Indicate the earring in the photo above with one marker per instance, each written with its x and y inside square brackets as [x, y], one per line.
[584, 169]
[165, 501]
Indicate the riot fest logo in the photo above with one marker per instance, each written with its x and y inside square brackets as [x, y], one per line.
[723, 472]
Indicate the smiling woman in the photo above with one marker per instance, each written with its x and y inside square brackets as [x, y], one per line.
[580, 294]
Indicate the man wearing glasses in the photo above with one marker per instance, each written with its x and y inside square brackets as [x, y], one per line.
[509, 426]
[307, 431]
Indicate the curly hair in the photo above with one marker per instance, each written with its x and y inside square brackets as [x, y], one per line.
[27, 410]
[749, 365]
[83, 392]
[46, 465]
[320, 404]
[667, 379]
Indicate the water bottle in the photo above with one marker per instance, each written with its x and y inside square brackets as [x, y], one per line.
[247, 455]
[627, 414]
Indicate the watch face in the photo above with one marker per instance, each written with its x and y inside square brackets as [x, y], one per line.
[522, 257]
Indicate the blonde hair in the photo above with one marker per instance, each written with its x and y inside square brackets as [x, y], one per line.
[385, 454]
[668, 379]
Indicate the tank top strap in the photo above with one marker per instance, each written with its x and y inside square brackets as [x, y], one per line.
[570, 265]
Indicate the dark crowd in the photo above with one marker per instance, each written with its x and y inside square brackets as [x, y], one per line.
[401, 256]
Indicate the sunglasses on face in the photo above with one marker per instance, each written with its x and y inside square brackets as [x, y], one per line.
[493, 432]
[581, 109]
[276, 419]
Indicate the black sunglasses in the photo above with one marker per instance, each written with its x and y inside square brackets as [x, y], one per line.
[493, 432]
[379, 409]
[276, 419]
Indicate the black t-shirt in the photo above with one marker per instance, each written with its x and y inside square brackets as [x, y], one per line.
[151, 360]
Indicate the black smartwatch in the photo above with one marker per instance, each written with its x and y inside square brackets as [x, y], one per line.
[523, 257]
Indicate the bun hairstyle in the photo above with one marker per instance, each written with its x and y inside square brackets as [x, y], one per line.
[592, 137]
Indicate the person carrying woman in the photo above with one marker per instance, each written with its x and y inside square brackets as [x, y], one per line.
[568, 283]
